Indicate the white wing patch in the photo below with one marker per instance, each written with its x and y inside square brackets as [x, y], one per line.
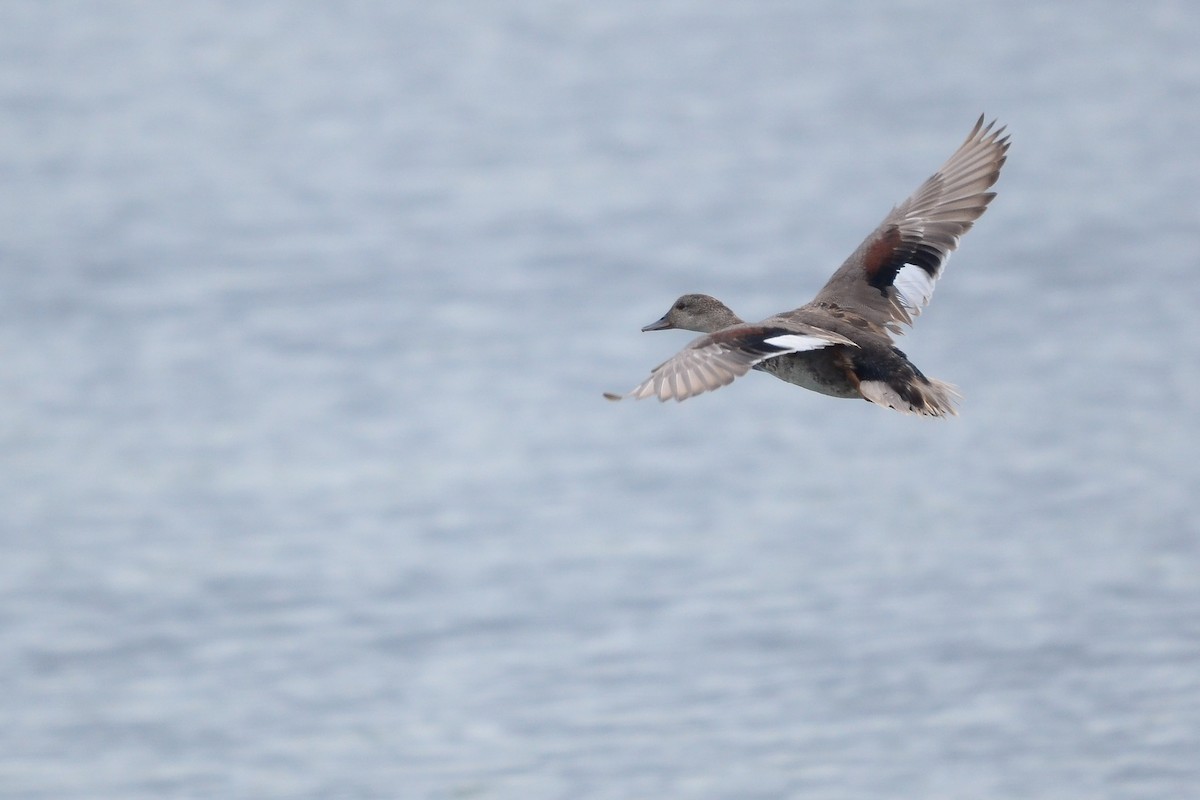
[913, 288]
[796, 342]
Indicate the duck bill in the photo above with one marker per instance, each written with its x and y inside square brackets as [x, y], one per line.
[660, 325]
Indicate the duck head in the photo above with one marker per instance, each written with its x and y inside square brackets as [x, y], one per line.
[695, 312]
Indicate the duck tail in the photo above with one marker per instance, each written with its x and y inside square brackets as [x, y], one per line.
[914, 394]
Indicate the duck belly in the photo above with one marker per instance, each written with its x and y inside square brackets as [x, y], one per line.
[821, 371]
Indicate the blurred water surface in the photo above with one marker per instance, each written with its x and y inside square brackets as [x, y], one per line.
[309, 491]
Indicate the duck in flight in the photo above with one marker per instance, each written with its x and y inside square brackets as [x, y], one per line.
[840, 343]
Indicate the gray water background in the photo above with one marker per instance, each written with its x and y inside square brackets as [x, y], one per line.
[308, 489]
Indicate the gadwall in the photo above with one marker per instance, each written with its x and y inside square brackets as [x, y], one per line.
[840, 344]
